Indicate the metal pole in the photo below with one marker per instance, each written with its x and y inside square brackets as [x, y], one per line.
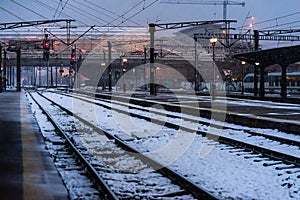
[32, 71]
[51, 76]
[75, 83]
[28, 77]
[4, 68]
[262, 81]
[242, 79]
[18, 70]
[10, 75]
[196, 66]
[109, 67]
[34, 77]
[56, 76]
[256, 68]
[47, 74]
[1, 85]
[283, 83]
[152, 83]
[214, 73]
[40, 76]
[68, 31]
[145, 62]
[13, 83]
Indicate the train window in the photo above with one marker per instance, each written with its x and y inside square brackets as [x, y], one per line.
[298, 81]
[248, 79]
[277, 80]
[270, 80]
[292, 81]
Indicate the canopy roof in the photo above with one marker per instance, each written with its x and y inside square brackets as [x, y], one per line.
[282, 56]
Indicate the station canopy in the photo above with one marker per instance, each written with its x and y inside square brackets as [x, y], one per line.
[282, 56]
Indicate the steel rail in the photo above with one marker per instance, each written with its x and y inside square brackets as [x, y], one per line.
[267, 152]
[271, 137]
[194, 190]
[107, 192]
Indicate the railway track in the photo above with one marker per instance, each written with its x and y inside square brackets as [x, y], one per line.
[288, 172]
[271, 146]
[148, 178]
[173, 105]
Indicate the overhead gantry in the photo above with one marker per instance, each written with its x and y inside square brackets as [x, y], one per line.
[16, 47]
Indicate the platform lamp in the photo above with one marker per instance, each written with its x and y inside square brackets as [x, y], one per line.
[213, 42]
[243, 64]
[256, 78]
[124, 61]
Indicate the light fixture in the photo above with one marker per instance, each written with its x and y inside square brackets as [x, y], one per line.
[213, 40]
[124, 60]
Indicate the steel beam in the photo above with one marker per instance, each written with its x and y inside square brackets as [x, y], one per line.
[13, 25]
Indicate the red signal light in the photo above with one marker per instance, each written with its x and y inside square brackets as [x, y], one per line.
[73, 57]
[46, 45]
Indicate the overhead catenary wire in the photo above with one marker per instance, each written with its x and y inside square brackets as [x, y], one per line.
[93, 17]
[284, 24]
[68, 16]
[80, 11]
[119, 26]
[21, 5]
[138, 12]
[62, 8]
[11, 13]
[58, 5]
[126, 12]
[63, 14]
[275, 19]
[93, 6]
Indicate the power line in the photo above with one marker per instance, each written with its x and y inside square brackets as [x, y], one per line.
[88, 15]
[138, 12]
[63, 8]
[21, 5]
[65, 15]
[121, 16]
[106, 10]
[5, 10]
[285, 24]
[57, 9]
[276, 18]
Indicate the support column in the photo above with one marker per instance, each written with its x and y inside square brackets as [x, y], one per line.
[51, 76]
[283, 82]
[56, 74]
[145, 68]
[262, 81]
[109, 67]
[1, 80]
[256, 69]
[18, 70]
[255, 79]
[4, 69]
[152, 83]
[196, 66]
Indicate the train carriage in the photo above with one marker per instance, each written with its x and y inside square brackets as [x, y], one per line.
[273, 82]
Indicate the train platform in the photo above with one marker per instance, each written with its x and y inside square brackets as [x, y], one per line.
[26, 168]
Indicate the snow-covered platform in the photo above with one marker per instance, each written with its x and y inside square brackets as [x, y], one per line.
[26, 169]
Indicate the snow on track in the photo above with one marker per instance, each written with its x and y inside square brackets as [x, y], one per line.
[223, 171]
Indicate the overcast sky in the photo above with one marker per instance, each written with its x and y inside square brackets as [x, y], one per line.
[100, 12]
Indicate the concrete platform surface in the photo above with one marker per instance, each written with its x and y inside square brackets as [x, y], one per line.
[26, 168]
